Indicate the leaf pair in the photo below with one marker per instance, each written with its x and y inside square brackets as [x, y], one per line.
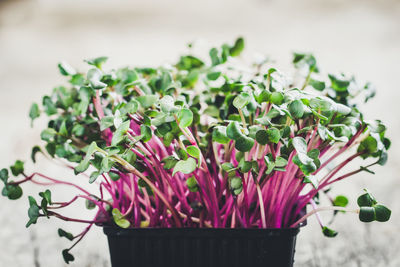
[370, 210]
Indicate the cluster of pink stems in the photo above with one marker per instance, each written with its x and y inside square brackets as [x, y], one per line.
[278, 201]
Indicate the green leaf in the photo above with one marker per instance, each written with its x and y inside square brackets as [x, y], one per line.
[237, 48]
[114, 176]
[78, 130]
[48, 134]
[262, 137]
[93, 176]
[189, 62]
[46, 195]
[34, 112]
[49, 106]
[62, 233]
[367, 214]
[233, 130]
[329, 232]
[33, 211]
[94, 77]
[4, 175]
[85, 94]
[119, 219]
[119, 134]
[106, 164]
[245, 166]
[147, 101]
[296, 109]
[65, 69]
[241, 100]
[97, 62]
[236, 185]
[340, 201]
[318, 85]
[63, 129]
[214, 75]
[382, 213]
[182, 154]
[215, 60]
[17, 168]
[192, 184]
[277, 98]
[368, 145]
[244, 143]
[339, 83]
[106, 122]
[167, 104]
[145, 133]
[280, 162]
[84, 164]
[67, 256]
[313, 153]
[300, 144]
[185, 166]
[219, 135]
[311, 179]
[185, 117]
[77, 79]
[193, 151]
[169, 162]
[227, 166]
[90, 204]
[366, 200]
[273, 135]
[13, 191]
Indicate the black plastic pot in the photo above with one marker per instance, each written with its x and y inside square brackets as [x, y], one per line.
[192, 247]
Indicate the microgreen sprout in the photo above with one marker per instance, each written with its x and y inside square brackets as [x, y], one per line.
[206, 142]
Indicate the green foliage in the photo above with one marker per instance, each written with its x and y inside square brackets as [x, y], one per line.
[34, 112]
[119, 219]
[221, 123]
[185, 166]
[329, 232]
[340, 201]
[192, 184]
[370, 210]
[67, 256]
[62, 233]
[17, 168]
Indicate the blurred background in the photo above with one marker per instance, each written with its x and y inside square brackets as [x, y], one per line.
[360, 37]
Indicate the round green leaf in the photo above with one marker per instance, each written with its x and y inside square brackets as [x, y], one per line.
[34, 112]
[192, 184]
[382, 213]
[185, 166]
[14, 192]
[237, 48]
[219, 135]
[185, 117]
[17, 168]
[94, 76]
[367, 214]
[233, 130]
[241, 100]
[244, 143]
[277, 98]
[193, 151]
[262, 137]
[273, 135]
[296, 109]
[366, 200]
[340, 201]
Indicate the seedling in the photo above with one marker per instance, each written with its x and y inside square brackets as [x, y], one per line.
[203, 143]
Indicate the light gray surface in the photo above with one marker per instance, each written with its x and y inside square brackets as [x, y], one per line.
[360, 37]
